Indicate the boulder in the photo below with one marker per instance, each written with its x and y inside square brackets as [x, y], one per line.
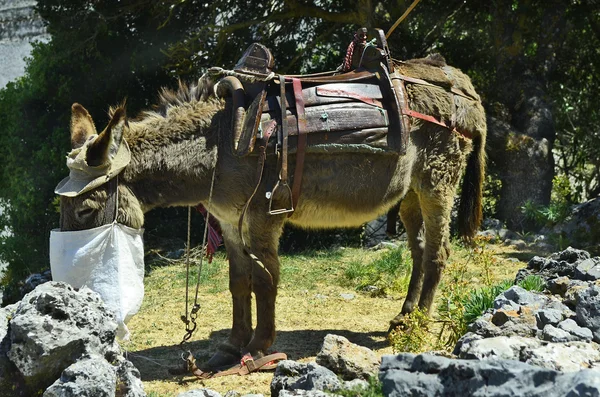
[588, 310]
[571, 255]
[291, 375]
[347, 359]
[582, 226]
[506, 347]
[552, 334]
[548, 316]
[520, 296]
[129, 380]
[588, 270]
[202, 392]
[88, 377]
[564, 357]
[53, 327]
[426, 375]
[304, 393]
[579, 333]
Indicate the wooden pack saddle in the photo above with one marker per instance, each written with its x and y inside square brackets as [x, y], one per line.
[360, 106]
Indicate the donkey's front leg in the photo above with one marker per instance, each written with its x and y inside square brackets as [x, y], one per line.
[264, 240]
[240, 269]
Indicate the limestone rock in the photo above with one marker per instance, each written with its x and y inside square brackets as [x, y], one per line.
[506, 347]
[558, 285]
[520, 296]
[571, 255]
[426, 375]
[548, 316]
[581, 226]
[564, 357]
[588, 270]
[580, 333]
[88, 377]
[588, 310]
[291, 375]
[347, 359]
[304, 393]
[552, 334]
[129, 381]
[203, 392]
[53, 327]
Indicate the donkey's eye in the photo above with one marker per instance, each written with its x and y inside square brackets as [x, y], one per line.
[85, 212]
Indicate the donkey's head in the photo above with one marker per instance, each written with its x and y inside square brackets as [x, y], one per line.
[95, 161]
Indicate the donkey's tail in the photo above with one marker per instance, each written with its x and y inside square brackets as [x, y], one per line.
[470, 211]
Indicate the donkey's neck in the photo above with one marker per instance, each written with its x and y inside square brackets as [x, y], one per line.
[173, 156]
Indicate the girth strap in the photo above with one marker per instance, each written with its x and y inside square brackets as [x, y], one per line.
[284, 132]
[300, 150]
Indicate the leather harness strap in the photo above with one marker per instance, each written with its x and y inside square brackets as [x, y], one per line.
[246, 366]
[284, 132]
[406, 111]
[300, 150]
[433, 120]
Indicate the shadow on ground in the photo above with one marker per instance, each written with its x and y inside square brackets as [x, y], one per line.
[154, 363]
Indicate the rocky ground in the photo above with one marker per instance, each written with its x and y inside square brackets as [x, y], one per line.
[60, 342]
[528, 344]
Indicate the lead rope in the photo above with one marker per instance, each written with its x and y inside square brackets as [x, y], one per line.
[189, 318]
[408, 10]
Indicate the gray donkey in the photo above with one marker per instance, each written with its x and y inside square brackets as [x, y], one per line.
[176, 148]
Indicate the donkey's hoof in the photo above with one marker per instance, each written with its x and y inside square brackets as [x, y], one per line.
[398, 323]
[223, 359]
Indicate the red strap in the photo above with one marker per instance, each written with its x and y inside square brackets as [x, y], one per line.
[433, 120]
[301, 116]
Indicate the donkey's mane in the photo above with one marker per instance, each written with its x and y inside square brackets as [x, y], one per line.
[198, 91]
[186, 93]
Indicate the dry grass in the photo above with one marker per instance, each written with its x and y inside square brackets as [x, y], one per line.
[309, 306]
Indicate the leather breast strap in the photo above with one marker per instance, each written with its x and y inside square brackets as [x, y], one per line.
[300, 151]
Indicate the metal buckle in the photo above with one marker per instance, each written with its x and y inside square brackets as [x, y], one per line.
[283, 210]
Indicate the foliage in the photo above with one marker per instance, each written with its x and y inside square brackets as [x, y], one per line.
[558, 209]
[413, 334]
[450, 309]
[482, 299]
[373, 390]
[104, 51]
[391, 272]
[533, 282]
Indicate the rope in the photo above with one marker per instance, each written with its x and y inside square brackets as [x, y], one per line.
[408, 10]
[204, 239]
[191, 315]
[251, 77]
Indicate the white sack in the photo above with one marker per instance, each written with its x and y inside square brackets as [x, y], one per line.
[108, 260]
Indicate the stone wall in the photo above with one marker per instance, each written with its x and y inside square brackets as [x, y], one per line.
[19, 25]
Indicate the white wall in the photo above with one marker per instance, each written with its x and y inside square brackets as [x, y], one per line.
[19, 25]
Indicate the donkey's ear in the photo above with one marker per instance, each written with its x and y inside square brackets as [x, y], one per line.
[82, 126]
[105, 147]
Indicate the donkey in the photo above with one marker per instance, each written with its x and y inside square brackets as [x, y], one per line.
[176, 148]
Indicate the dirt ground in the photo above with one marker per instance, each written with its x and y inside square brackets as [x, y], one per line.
[309, 306]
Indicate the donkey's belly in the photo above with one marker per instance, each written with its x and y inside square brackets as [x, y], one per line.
[321, 216]
[347, 191]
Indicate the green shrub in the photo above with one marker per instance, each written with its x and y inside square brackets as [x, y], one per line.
[532, 283]
[413, 334]
[373, 390]
[482, 299]
[391, 272]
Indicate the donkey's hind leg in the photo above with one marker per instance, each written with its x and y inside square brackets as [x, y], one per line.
[240, 286]
[410, 213]
[436, 210]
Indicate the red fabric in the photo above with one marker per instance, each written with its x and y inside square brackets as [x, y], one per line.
[215, 240]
